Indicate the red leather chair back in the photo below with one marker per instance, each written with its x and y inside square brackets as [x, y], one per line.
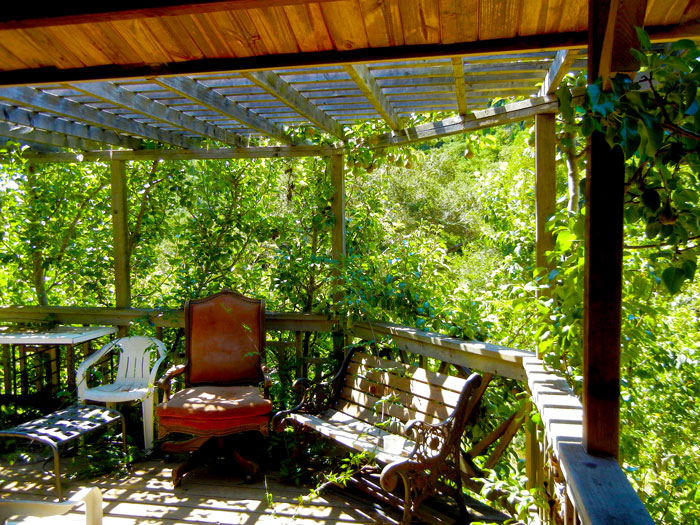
[224, 340]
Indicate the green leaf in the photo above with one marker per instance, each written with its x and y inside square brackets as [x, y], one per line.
[643, 38]
[673, 279]
[601, 102]
[565, 107]
[689, 266]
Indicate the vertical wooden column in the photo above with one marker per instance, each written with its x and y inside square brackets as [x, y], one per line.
[610, 36]
[545, 185]
[120, 232]
[336, 166]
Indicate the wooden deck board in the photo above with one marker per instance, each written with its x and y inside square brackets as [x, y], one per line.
[146, 496]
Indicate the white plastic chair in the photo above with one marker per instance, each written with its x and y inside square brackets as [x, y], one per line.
[135, 379]
[92, 496]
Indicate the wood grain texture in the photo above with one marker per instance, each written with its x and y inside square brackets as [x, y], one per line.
[345, 24]
[383, 23]
[273, 27]
[309, 27]
[421, 22]
[498, 19]
[459, 20]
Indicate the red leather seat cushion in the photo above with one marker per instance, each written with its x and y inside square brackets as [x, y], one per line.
[214, 406]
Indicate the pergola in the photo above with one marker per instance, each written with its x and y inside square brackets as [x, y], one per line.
[100, 79]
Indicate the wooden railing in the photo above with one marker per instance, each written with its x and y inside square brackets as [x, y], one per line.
[582, 488]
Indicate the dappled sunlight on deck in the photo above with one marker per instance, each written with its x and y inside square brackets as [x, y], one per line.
[146, 496]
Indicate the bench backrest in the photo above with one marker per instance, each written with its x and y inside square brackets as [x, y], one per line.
[383, 392]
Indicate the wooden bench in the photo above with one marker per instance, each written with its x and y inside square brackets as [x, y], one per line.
[410, 419]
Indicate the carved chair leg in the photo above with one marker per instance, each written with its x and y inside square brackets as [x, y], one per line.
[407, 500]
[183, 468]
[249, 467]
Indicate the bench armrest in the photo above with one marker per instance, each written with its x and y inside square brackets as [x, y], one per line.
[164, 382]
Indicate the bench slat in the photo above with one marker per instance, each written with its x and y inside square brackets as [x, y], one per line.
[355, 391]
[352, 433]
[392, 411]
[456, 384]
[375, 379]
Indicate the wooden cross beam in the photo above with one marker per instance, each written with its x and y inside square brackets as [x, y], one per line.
[37, 136]
[58, 128]
[201, 94]
[281, 90]
[125, 98]
[560, 67]
[362, 76]
[42, 101]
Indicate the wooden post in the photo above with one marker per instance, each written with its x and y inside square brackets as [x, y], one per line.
[545, 186]
[7, 369]
[338, 240]
[120, 232]
[610, 36]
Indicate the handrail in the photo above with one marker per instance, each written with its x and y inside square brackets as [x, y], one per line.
[596, 487]
[160, 317]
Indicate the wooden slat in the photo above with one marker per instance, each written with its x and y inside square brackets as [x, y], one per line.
[308, 26]
[362, 76]
[422, 22]
[396, 382]
[498, 19]
[274, 28]
[402, 414]
[187, 154]
[29, 136]
[151, 108]
[209, 98]
[459, 20]
[456, 384]
[345, 25]
[472, 354]
[43, 101]
[460, 86]
[273, 84]
[557, 71]
[284, 321]
[382, 19]
[60, 127]
[514, 112]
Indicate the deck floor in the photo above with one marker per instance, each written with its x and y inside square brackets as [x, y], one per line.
[146, 496]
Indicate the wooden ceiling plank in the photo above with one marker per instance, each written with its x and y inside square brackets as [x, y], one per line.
[14, 115]
[61, 55]
[560, 67]
[421, 22]
[498, 19]
[143, 105]
[459, 20]
[487, 118]
[533, 18]
[240, 31]
[38, 136]
[35, 98]
[383, 22]
[460, 86]
[345, 25]
[174, 38]
[272, 24]
[362, 76]
[209, 98]
[25, 49]
[148, 48]
[273, 84]
[309, 30]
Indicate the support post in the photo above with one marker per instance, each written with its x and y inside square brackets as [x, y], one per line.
[545, 187]
[610, 36]
[338, 240]
[120, 232]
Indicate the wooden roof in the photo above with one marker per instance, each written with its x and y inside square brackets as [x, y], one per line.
[184, 72]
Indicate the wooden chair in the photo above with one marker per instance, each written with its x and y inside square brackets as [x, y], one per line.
[224, 344]
[135, 379]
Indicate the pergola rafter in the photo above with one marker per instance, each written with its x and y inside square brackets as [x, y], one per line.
[122, 97]
[64, 107]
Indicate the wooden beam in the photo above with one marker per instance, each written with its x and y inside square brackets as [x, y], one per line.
[460, 86]
[281, 90]
[188, 88]
[362, 76]
[139, 104]
[603, 265]
[495, 116]
[62, 127]
[506, 362]
[167, 318]
[338, 209]
[545, 186]
[120, 233]
[42, 101]
[27, 135]
[193, 154]
[558, 70]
